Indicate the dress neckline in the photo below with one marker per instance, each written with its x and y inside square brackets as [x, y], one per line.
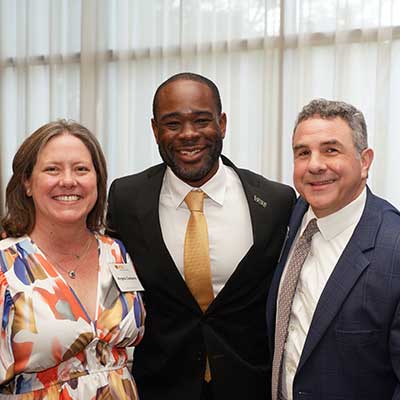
[54, 273]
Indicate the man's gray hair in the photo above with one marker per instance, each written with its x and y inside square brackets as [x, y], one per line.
[328, 109]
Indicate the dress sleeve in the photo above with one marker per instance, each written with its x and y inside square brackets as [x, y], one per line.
[126, 307]
[6, 318]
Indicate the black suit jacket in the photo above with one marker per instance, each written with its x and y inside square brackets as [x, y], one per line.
[170, 361]
[352, 349]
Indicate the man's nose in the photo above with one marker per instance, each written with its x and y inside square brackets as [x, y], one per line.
[317, 163]
[189, 130]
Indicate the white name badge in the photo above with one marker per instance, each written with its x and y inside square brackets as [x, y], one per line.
[125, 277]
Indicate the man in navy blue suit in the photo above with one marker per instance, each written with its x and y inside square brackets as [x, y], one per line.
[341, 338]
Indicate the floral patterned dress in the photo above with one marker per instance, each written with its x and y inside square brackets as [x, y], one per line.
[49, 347]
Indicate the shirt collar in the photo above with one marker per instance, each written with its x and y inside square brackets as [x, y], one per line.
[214, 188]
[336, 223]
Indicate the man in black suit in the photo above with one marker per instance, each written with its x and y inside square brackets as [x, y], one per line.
[246, 216]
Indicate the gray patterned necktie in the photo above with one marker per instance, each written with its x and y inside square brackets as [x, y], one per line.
[285, 300]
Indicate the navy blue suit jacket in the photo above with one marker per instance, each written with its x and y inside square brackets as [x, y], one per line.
[352, 350]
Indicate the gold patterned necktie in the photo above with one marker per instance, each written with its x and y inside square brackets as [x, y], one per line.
[196, 254]
[285, 300]
[196, 269]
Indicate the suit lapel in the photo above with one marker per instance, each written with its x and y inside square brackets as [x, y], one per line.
[257, 201]
[148, 199]
[260, 212]
[350, 266]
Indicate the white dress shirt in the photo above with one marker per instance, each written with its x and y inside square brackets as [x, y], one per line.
[228, 220]
[327, 246]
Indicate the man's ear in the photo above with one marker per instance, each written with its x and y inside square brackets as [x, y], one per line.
[154, 126]
[222, 123]
[367, 156]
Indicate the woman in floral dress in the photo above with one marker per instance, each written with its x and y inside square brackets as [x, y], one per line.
[69, 301]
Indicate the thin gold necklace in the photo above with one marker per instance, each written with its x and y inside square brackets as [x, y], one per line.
[72, 272]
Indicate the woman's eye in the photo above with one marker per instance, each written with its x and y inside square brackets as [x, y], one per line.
[82, 168]
[50, 169]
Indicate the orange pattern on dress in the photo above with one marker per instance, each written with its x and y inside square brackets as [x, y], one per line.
[49, 347]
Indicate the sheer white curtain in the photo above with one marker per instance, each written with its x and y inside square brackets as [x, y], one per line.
[100, 61]
[347, 50]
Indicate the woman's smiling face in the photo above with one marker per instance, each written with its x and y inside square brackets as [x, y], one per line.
[63, 184]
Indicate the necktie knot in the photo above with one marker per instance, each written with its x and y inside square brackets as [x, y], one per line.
[195, 200]
[311, 230]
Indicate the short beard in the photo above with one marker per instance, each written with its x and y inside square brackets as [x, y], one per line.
[192, 174]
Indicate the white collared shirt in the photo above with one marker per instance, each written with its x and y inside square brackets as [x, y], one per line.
[327, 246]
[228, 220]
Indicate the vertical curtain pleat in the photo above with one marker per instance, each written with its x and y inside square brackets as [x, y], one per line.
[383, 144]
[100, 61]
[90, 55]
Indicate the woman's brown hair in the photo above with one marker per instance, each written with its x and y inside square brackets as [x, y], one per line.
[20, 210]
